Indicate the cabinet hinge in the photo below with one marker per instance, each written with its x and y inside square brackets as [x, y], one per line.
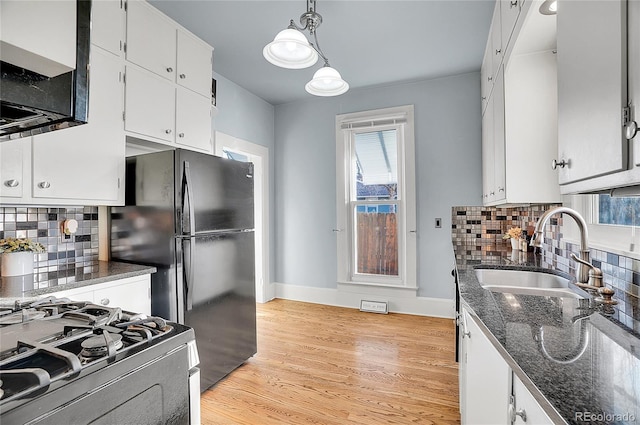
[124, 78]
[626, 114]
[124, 47]
[123, 119]
[118, 182]
[125, 5]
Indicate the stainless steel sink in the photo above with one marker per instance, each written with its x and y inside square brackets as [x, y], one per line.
[527, 283]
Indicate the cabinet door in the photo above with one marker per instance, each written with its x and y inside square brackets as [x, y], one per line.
[486, 79]
[151, 39]
[86, 162]
[592, 68]
[149, 105]
[193, 120]
[12, 172]
[39, 35]
[499, 183]
[194, 64]
[488, 160]
[510, 10]
[524, 401]
[133, 296]
[496, 39]
[107, 25]
[487, 380]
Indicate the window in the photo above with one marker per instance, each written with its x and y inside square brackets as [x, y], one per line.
[376, 197]
[612, 222]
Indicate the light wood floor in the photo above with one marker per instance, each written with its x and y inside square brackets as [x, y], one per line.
[328, 365]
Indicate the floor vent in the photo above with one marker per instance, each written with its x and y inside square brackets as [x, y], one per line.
[381, 307]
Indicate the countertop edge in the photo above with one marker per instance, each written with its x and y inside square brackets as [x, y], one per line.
[548, 408]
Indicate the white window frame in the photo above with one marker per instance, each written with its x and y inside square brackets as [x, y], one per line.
[617, 239]
[347, 125]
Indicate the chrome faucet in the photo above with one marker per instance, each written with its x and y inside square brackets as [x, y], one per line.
[588, 275]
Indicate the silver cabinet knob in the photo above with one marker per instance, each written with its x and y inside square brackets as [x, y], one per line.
[492, 193]
[11, 183]
[105, 301]
[181, 135]
[168, 131]
[501, 189]
[490, 78]
[630, 129]
[513, 4]
[44, 185]
[498, 51]
[562, 163]
[182, 76]
[513, 412]
[169, 69]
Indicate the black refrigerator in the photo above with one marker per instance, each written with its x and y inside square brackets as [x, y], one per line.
[191, 216]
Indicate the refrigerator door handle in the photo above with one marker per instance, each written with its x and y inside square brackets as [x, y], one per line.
[188, 274]
[186, 190]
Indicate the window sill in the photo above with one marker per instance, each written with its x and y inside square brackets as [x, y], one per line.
[378, 289]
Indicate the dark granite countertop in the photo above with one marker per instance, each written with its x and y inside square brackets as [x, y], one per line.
[572, 354]
[25, 287]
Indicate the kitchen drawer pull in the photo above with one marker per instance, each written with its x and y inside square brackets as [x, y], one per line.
[105, 301]
[44, 185]
[12, 183]
[182, 76]
[181, 135]
[169, 69]
[168, 131]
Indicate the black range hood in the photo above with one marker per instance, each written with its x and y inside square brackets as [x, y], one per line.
[31, 103]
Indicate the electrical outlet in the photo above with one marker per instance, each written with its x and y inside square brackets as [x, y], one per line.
[438, 222]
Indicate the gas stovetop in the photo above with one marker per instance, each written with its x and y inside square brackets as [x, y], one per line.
[53, 341]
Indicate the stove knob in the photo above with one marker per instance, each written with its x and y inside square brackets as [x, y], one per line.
[105, 301]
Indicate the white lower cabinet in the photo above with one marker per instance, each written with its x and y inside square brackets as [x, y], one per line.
[485, 389]
[131, 294]
[490, 393]
[525, 409]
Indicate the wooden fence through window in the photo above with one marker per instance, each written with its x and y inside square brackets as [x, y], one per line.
[377, 243]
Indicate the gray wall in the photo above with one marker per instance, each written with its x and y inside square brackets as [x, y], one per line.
[448, 173]
[246, 116]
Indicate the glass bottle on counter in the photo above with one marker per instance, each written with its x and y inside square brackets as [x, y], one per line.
[524, 246]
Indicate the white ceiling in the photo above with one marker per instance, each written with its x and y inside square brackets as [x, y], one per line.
[370, 43]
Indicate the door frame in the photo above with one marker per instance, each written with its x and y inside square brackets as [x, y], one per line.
[259, 155]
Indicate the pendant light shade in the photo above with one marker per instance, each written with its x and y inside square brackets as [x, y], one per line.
[327, 82]
[290, 49]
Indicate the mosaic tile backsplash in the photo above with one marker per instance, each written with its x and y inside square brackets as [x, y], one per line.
[483, 228]
[79, 250]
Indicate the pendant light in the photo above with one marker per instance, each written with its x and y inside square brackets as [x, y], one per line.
[292, 50]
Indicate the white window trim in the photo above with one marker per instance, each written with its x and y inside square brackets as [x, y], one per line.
[407, 249]
[605, 237]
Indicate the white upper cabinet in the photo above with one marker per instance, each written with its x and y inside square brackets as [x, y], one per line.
[519, 126]
[496, 40]
[150, 105]
[12, 171]
[151, 39]
[592, 89]
[39, 35]
[86, 162]
[509, 12]
[194, 61]
[175, 108]
[108, 25]
[193, 120]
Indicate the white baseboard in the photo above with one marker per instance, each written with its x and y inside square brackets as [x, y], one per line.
[421, 306]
